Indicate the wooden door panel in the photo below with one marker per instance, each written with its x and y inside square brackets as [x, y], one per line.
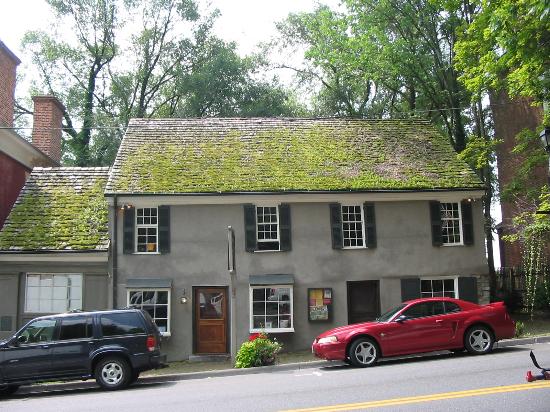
[211, 320]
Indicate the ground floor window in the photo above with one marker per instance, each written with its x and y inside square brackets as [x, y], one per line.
[271, 308]
[439, 287]
[156, 302]
[53, 293]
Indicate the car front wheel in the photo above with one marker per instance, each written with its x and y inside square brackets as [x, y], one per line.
[479, 340]
[8, 390]
[113, 373]
[363, 352]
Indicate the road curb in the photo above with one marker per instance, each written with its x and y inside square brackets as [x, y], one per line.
[234, 372]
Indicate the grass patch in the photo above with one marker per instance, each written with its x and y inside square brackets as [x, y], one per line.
[538, 326]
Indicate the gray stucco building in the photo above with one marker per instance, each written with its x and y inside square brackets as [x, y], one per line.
[333, 221]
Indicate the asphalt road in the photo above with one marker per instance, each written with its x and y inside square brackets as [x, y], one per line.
[442, 382]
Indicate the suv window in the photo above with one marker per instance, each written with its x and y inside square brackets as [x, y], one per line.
[79, 327]
[114, 324]
[38, 331]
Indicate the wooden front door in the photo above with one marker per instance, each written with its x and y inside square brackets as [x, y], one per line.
[363, 301]
[210, 320]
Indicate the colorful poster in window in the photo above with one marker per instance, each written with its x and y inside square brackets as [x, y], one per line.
[319, 304]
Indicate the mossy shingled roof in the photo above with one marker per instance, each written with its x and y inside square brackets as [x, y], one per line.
[59, 209]
[183, 156]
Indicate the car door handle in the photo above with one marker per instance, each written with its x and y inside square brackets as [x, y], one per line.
[45, 346]
[439, 321]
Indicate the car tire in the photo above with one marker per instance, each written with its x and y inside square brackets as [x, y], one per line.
[479, 340]
[113, 372]
[8, 390]
[363, 352]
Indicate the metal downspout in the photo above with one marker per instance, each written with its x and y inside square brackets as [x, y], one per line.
[115, 250]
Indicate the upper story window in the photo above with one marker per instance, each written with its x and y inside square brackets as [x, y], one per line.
[267, 221]
[353, 227]
[451, 221]
[53, 293]
[147, 230]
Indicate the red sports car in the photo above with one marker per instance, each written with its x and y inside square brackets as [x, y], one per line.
[420, 325]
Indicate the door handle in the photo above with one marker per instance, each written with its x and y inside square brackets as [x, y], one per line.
[439, 321]
[45, 346]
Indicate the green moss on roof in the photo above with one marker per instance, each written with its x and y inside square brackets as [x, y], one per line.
[263, 155]
[59, 209]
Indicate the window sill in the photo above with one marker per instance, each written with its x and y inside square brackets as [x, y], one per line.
[165, 334]
[452, 244]
[146, 253]
[268, 251]
[354, 248]
[278, 330]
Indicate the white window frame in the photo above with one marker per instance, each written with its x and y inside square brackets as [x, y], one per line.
[138, 226]
[41, 288]
[169, 304]
[278, 223]
[443, 278]
[461, 234]
[251, 308]
[362, 221]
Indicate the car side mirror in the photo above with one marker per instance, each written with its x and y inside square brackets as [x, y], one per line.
[401, 318]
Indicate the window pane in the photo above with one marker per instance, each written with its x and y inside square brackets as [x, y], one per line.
[121, 324]
[162, 297]
[258, 295]
[74, 328]
[258, 308]
[59, 306]
[135, 298]
[39, 331]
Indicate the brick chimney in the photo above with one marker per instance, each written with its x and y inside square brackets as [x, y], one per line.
[46, 128]
[8, 67]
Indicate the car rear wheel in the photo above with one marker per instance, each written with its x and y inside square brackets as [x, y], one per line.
[8, 390]
[479, 340]
[363, 352]
[113, 373]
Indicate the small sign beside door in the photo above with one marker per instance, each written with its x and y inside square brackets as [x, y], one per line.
[319, 304]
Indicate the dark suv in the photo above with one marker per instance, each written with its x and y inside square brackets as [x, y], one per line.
[111, 346]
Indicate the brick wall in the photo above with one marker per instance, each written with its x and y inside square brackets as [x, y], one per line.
[8, 66]
[511, 117]
[47, 120]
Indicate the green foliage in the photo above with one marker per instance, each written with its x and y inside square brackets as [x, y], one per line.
[520, 329]
[260, 351]
[507, 45]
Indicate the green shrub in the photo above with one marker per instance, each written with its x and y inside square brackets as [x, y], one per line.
[259, 350]
[520, 329]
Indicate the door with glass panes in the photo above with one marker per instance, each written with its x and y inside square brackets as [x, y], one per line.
[210, 304]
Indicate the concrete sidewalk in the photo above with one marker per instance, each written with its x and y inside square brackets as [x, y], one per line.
[74, 385]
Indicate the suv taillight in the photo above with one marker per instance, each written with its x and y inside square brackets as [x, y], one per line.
[151, 343]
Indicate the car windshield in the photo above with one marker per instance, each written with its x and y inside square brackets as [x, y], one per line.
[388, 315]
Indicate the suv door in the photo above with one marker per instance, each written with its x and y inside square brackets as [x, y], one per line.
[29, 355]
[72, 347]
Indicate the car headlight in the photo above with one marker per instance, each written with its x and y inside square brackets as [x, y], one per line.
[328, 339]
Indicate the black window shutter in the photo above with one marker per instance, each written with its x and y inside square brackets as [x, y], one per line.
[467, 288]
[336, 225]
[437, 226]
[370, 224]
[164, 229]
[250, 227]
[467, 222]
[284, 226]
[410, 288]
[129, 230]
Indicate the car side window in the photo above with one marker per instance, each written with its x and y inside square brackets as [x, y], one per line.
[451, 307]
[79, 327]
[38, 331]
[424, 309]
[115, 324]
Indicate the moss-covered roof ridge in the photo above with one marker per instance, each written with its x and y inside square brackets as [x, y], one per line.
[59, 209]
[230, 155]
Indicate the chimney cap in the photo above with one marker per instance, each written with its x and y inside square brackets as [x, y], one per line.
[9, 53]
[49, 98]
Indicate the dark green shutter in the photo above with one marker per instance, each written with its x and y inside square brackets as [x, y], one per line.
[410, 289]
[336, 225]
[129, 230]
[250, 228]
[467, 222]
[467, 288]
[370, 225]
[164, 229]
[284, 226]
[437, 226]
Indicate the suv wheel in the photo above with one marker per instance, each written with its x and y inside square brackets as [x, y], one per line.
[8, 390]
[113, 373]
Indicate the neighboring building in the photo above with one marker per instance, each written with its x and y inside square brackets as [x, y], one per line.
[511, 116]
[54, 247]
[18, 156]
[335, 221]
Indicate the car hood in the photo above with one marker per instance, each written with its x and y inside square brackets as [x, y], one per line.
[348, 328]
